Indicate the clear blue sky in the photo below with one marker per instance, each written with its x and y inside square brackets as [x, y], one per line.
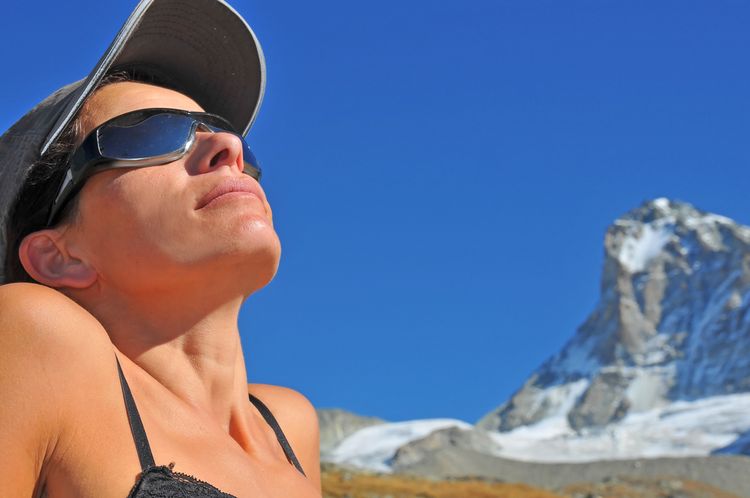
[442, 173]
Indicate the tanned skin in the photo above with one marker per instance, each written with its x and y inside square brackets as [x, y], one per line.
[147, 273]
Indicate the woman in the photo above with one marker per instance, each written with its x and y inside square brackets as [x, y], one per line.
[141, 216]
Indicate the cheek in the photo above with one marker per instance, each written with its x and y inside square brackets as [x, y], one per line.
[140, 195]
[129, 209]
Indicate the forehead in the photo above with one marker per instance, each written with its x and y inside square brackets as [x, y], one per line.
[118, 98]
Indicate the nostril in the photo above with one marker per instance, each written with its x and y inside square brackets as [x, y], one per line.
[222, 155]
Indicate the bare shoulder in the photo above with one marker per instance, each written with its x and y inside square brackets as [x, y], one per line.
[45, 337]
[286, 404]
[298, 419]
[46, 346]
[38, 315]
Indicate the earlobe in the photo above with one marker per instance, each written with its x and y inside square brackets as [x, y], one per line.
[45, 258]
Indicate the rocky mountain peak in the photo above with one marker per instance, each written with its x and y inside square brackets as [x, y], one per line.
[661, 208]
[672, 323]
[663, 227]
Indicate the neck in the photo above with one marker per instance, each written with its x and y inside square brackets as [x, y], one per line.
[191, 347]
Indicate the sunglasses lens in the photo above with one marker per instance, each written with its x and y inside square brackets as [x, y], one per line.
[252, 167]
[151, 137]
[133, 136]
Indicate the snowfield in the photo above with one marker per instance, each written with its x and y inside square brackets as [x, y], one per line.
[373, 447]
[683, 428]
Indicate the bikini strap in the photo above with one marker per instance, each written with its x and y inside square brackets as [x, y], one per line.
[141, 441]
[263, 409]
[136, 425]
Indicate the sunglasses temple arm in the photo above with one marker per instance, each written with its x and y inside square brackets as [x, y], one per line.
[77, 167]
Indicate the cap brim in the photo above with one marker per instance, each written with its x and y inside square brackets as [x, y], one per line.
[204, 48]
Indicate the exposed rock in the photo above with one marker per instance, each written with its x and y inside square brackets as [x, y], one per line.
[527, 406]
[442, 440]
[336, 424]
[603, 402]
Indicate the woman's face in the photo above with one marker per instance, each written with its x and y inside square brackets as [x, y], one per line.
[150, 229]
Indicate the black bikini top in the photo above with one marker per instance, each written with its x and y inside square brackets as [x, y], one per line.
[160, 481]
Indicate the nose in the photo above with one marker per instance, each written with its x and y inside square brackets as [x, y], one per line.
[214, 150]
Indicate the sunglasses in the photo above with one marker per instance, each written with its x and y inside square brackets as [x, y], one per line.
[147, 137]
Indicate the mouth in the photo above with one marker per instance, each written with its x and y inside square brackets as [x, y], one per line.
[233, 185]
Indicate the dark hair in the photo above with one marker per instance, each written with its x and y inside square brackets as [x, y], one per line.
[32, 206]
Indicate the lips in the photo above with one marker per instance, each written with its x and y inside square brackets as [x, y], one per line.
[230, 185]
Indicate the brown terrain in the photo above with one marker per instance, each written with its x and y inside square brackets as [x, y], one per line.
[348, 483]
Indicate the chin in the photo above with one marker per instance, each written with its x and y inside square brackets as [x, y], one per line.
[242, 253]
[258, 266]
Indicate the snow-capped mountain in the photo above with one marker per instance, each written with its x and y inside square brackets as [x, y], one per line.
[672, 324]
[661, 367]
[671, 332]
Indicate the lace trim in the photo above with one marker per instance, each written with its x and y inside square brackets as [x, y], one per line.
[162, 482]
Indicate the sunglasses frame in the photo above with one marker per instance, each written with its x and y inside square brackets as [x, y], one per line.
[88, 158]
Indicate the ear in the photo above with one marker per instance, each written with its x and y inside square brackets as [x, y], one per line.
[46, 259]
